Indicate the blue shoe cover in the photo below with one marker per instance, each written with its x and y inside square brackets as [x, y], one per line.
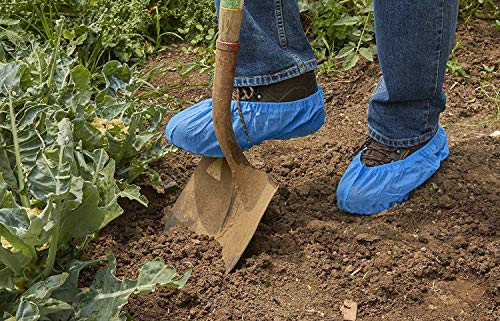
[192, 129]
[369, 190]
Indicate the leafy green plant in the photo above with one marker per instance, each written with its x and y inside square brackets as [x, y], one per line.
[195, 20]
[102, 107]
[204, 64]
[453, 66]
[483, 9]
[99, 30]
[491, 92]
[340, 31]
[102, 30]
[71, 144]
[59, 297]
[122, 124]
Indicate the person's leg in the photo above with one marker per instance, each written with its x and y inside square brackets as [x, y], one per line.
[414, 40]
[275, 82]
[274, 46]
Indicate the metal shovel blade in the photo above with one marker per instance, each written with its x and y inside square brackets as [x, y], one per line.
[226, 197]
[224, 204]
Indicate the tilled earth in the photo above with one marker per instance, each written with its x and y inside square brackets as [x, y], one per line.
[436, 257]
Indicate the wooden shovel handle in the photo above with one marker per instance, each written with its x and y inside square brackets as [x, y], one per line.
[230, 18]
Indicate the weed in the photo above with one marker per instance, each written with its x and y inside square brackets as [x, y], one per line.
[340, 31]
[482, 9]
[266, 282]
[453, 66]
[204, 64]
[493, 94]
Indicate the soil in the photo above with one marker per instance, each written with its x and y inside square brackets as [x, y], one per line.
[435, 257]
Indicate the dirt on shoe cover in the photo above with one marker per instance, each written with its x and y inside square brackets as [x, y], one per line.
[435, 257]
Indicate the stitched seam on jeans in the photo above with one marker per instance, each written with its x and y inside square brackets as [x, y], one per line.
[440, 49]
[308, 64]
[400, 140]
[280, 23]
[405, 141]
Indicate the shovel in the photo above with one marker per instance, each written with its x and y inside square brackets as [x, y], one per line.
[225, 198]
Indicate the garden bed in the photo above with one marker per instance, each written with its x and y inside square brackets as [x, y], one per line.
[436, 257]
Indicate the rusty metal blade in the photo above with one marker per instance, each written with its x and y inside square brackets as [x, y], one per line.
[225, 198]
[253, 191]
[206, 199]
[225, 205]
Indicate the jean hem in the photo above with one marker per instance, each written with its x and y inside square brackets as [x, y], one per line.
[403, 142]
[291, 72]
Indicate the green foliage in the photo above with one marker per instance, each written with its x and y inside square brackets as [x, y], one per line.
[204, 64]
[453, 66]
[99, 30]
[341, 30]
[102, 107]
[488, 87]
[59, 298]
[195, 20]
[71, 143]
[102, 30]
[483, 9]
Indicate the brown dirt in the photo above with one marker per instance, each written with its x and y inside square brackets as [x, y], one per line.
[436, 257]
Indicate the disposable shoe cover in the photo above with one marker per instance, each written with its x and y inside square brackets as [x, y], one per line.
[192, 129]
[369, 190]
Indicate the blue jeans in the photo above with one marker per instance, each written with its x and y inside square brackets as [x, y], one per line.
[414, 40]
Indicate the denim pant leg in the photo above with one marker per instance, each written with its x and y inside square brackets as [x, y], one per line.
[273, 44]
[414, 40]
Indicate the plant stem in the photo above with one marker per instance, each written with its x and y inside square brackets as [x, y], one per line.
[54, 240]
[127, 143]
[43, 19]
[158, 29]
[55, 55]
[40, 72]
[20, 177]
[363, 32]
[98, 167]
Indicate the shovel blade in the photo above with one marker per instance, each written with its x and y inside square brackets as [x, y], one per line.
[223, 204]
[253, 191]
[206, 199]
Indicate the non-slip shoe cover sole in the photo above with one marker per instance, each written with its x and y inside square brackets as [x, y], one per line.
[192, 129]
[369, 190]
